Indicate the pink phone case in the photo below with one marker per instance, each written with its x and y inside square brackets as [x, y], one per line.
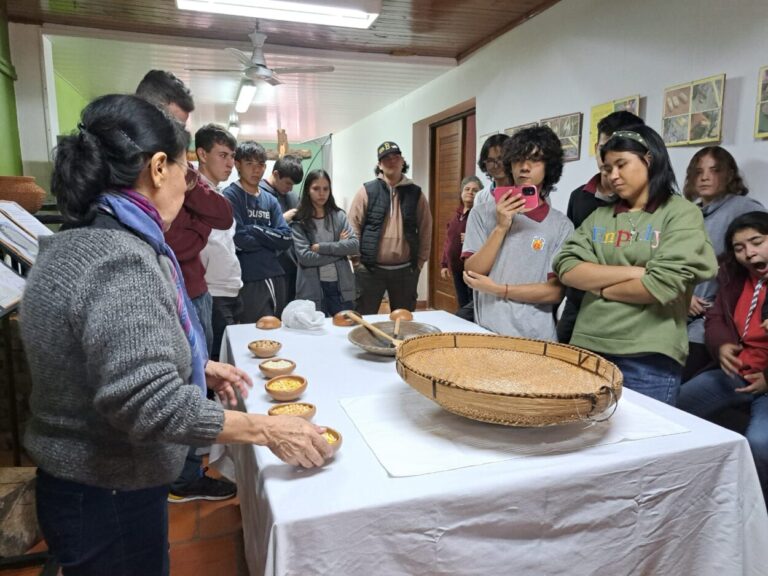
[529, 193]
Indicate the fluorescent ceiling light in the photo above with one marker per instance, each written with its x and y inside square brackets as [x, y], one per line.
[234, 124]
[245, 96]
[348, 13]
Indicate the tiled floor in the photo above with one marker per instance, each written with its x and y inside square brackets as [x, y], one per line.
[206, 538]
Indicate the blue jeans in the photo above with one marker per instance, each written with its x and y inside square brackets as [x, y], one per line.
[204, 308]
[97, 531]
[654, 375]
[332, 300]
[712, 392]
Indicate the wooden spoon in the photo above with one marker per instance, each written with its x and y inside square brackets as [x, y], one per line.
[373, 329]
[396, 331]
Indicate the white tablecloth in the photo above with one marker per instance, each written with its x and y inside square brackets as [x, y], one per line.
[687, 503]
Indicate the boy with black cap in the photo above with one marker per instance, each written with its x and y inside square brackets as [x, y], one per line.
[390, 216]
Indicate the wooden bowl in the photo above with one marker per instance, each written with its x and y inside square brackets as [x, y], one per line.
[369, 342]
[333, 437]
[277, 367]
[341, 319]
[508, 380]
[264, 348]
[301, 409]
[401, 313]
[268, 323]
[286, 388]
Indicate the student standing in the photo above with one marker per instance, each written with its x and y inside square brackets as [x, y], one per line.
[261, 233]
[638, 261]
[323, 240]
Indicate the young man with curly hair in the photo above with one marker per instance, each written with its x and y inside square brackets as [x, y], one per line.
[508, 250]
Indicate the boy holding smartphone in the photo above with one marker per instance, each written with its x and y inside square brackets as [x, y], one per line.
[508, 248]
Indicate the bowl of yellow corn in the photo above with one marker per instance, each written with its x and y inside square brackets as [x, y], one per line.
[333, 437]
[301, 409]
[286, 388]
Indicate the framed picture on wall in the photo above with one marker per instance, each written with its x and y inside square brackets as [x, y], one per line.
[761, 114]
[568, 130]
[693, 112]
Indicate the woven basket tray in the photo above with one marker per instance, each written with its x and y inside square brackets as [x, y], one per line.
[510, 381]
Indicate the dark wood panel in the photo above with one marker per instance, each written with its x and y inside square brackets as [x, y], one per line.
[447, 28]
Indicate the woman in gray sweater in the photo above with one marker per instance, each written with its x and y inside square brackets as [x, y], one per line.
[323, 240]
[116, 353]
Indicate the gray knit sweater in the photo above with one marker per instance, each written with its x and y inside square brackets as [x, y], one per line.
[109, 361]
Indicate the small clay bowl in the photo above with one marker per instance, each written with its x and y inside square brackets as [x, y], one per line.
[264, 348]
[341, 319]
[333, 437]
[301, 409]
[401, 313]
[277, 367]
[286, 388]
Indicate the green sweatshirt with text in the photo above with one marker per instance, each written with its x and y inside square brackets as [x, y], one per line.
[673, 247]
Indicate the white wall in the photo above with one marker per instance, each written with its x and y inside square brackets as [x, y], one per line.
[573, 56]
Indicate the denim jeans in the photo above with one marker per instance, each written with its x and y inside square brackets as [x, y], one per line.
[713, 391]
[97, 531]
[463, 292]
[332, 302]
[203, 306]
[654, 375]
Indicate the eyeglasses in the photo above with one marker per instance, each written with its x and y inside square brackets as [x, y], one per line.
[493, 162]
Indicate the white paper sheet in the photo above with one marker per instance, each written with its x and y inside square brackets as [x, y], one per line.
[410, 435]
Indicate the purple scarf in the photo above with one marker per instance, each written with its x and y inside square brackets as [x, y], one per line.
[138, 214]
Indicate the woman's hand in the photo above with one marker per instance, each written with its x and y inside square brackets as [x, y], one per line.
[315, 248]
[445, 273]
[697, 307]
[225, 379]
[343, 235]
[729, 358]
[478, 281]
[506, 209]
[296, 441]
[756, 384]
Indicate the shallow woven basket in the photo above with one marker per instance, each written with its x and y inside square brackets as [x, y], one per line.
[510, 381]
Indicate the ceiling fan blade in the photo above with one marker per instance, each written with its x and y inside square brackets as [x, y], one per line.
[214, 69]
[303, 69]
[240, 55]
[272, 80]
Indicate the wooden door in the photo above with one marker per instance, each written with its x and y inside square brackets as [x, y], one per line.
[450, 164]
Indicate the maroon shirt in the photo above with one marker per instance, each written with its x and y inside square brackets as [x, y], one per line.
[203, 210]
[452, 247]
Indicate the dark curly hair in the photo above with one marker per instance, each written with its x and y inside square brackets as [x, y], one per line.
[538, 143]
[725, 162]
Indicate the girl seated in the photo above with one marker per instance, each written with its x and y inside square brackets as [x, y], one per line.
[735, 337]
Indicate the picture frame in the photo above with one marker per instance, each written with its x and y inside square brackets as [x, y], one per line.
[692, 112]
[568, 130]
[761, 111]
[600, 111]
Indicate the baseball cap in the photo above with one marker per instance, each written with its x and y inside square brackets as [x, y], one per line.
[387, 148]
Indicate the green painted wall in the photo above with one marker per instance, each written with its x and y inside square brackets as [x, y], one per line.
[10, 147]
[69, 103]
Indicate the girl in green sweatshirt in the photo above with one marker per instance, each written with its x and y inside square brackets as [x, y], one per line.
[638, 261]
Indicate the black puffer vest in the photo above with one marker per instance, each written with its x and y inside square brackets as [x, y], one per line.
[378, 208]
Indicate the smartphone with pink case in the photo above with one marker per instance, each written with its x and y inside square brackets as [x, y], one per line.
[529, 192]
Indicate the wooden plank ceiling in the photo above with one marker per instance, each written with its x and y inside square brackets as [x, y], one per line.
[445, 28]
[106, 46]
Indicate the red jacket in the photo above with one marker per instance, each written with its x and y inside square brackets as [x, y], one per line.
[203, 210]
[452, 247]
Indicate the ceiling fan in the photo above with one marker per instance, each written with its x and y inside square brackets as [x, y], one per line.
[255, 67]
